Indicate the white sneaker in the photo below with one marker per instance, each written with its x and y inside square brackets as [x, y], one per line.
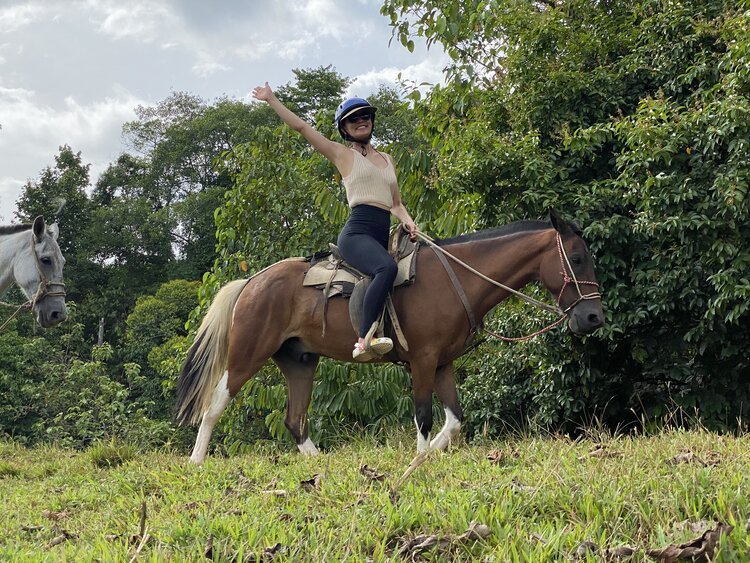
[381, 346]
[377, 347]
[362, 354]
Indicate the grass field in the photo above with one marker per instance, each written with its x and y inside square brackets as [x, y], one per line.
[523, 499]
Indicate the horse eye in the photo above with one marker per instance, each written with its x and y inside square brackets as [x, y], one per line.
[576, 259]
[46, 260]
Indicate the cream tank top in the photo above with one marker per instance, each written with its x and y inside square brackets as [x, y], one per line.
[368, 184]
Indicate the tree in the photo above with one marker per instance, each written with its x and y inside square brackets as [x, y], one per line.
[156, 320]
[313, 91]
[153, 217]
[180, 140]
[60, 196]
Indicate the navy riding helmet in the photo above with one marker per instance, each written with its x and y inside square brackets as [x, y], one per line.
[350, 107]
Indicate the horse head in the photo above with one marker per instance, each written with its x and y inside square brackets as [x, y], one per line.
[567, 271]
[38, 271]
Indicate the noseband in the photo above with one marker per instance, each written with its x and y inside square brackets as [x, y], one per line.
[44, 284]
[571, 279]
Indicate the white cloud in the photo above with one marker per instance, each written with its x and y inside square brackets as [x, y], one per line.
[32, 132]
[207, 66]
[13, 18]
[323, 16]
[144, 20]
[429, 70]
[328, 18]
[10, 189]
[254, 49]
[294, 48]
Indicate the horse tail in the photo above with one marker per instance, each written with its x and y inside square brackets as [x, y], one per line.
[207, 358]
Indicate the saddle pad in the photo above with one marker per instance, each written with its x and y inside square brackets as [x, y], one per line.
[321, 272]
[333, 272]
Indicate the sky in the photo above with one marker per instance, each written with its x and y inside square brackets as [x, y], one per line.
[73, 71]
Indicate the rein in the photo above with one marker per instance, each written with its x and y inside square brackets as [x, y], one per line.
[43, 290]
[567, 279]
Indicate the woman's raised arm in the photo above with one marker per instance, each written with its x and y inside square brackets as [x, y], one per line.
[333, 151]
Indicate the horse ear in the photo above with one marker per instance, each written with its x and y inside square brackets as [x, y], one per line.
[554, 218]
[39, 228]
[54, 230]
[562, 226]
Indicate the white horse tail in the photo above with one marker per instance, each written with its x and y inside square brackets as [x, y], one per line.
[207, 359]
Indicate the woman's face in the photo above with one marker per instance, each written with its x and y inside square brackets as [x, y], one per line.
[359, 126]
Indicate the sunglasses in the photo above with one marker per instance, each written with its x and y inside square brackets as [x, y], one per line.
[359, 118]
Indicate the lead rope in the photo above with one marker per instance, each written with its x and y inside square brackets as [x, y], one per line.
[26, 305]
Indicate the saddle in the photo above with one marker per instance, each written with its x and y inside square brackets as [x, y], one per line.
[330, 273]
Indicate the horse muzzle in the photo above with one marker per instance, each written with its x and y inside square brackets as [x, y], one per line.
[586, 317]
[51, 314]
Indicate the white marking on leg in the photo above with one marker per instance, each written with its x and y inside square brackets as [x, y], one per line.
[448, 432]
[423, 443]
[308, 448]
[219, 402]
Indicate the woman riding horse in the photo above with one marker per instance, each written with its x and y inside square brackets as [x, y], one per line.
[369, 177]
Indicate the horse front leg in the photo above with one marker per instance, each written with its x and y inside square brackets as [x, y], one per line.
[445, 387]
[423, 384]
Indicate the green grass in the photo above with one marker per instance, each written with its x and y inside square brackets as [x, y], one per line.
[111, 454]
[541, 499]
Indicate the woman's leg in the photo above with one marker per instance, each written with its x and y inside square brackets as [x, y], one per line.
[369, 257]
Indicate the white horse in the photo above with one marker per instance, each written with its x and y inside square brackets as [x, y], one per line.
[30, 256]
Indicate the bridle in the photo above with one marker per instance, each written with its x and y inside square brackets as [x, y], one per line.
[44, 284]
[43, 289]
[571, 278]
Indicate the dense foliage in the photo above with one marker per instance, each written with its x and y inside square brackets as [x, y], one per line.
[632, 118]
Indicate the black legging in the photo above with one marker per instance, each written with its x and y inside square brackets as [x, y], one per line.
[363, 243]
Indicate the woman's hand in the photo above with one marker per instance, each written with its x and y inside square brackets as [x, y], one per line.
[412, 229]
[263, 93]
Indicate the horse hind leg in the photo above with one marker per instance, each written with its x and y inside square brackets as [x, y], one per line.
[298, 367]
[219, 401]
[445, 388]
[228, 386]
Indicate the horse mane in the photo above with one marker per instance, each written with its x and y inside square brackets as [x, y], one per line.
[13, 229]
[505, 230]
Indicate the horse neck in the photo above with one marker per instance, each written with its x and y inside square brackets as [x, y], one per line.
[10, 247]
[512, 260]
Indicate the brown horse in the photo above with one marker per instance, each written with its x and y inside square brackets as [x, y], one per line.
[273, 316]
